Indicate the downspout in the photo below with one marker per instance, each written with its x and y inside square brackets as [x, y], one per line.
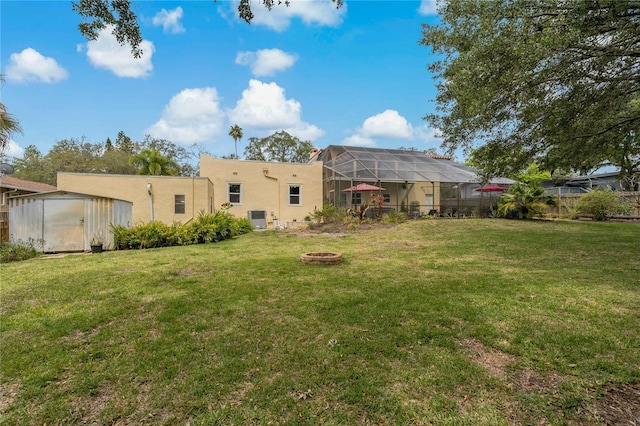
[150, 201]
[265, 171]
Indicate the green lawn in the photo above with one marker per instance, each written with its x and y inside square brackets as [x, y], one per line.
[478, 322]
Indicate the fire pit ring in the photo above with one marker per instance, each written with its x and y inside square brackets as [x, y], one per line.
[321, 258]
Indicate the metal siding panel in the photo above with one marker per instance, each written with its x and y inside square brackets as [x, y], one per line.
[25, 220]
[97, 219]
[123, 213]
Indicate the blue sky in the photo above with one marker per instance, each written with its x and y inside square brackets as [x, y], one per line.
[352, 76]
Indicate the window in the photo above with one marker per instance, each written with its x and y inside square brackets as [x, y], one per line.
[387, 198]
[235, 193]
[179, 204]
[356, 198]
[295, 195]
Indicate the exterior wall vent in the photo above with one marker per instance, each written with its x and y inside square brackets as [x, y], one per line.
[258, 218]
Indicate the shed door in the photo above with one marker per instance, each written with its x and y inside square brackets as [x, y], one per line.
[63, 225]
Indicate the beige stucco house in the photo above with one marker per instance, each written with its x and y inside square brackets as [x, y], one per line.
[278, 193]
[287, 192]
[275, 194]
[163, 198]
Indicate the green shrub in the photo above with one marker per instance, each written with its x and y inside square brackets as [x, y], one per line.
[205, 228]
[524, 201]
[19, 250]
[393, 217]
[328, 214]
[602, 204]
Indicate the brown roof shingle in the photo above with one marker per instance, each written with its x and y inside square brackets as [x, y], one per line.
[26, 185]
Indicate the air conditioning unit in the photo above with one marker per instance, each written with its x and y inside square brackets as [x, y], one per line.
[258, 218]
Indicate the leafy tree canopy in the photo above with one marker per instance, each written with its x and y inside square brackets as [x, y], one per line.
[149, 162]
[97, 14]
[543, 79]
[280, 146]
[81, 156]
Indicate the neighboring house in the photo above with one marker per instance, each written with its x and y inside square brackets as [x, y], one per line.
[266, 192]
[166, 199]
[11, 187]
[582, 184]
[413, 181]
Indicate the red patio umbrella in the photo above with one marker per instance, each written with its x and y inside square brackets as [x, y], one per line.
[363, 187]
[490, 188]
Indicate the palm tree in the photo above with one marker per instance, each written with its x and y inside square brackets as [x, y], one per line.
[524, 201]
[8, 124]
[150, 162]
[236, 134]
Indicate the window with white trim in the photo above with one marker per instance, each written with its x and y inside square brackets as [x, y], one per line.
[295, 195]
[234, 193]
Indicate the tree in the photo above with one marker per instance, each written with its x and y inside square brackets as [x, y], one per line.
[124, 143]
[280, 146]
[153, 163]
[32, 166]
[236, 134]
[181, 156]
[8, 124]
[539, 79]
[524, 201]
[100, 13]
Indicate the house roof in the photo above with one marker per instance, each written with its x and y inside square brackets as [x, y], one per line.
[11, 182]
[394, 165]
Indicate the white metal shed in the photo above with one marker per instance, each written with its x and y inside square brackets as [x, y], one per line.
[66, 221]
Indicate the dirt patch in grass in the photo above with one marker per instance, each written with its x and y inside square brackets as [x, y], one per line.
[8, 393]
[620, 404]
[495, 362]
[88, 409]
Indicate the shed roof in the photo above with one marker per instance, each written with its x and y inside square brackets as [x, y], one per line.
[394, 165]
[61, 194]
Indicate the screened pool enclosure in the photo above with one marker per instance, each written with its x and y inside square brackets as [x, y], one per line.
[410, 181]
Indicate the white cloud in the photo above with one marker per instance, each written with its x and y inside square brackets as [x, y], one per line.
[105, 52]
[358, 140]
[391, 125]
[265, 108]
[428, 135]
[169, 21]
[192, 116]
[266, 62]
[388, 124]
[31, 66]
[311, 12]
[13, 150]
[428, 8]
